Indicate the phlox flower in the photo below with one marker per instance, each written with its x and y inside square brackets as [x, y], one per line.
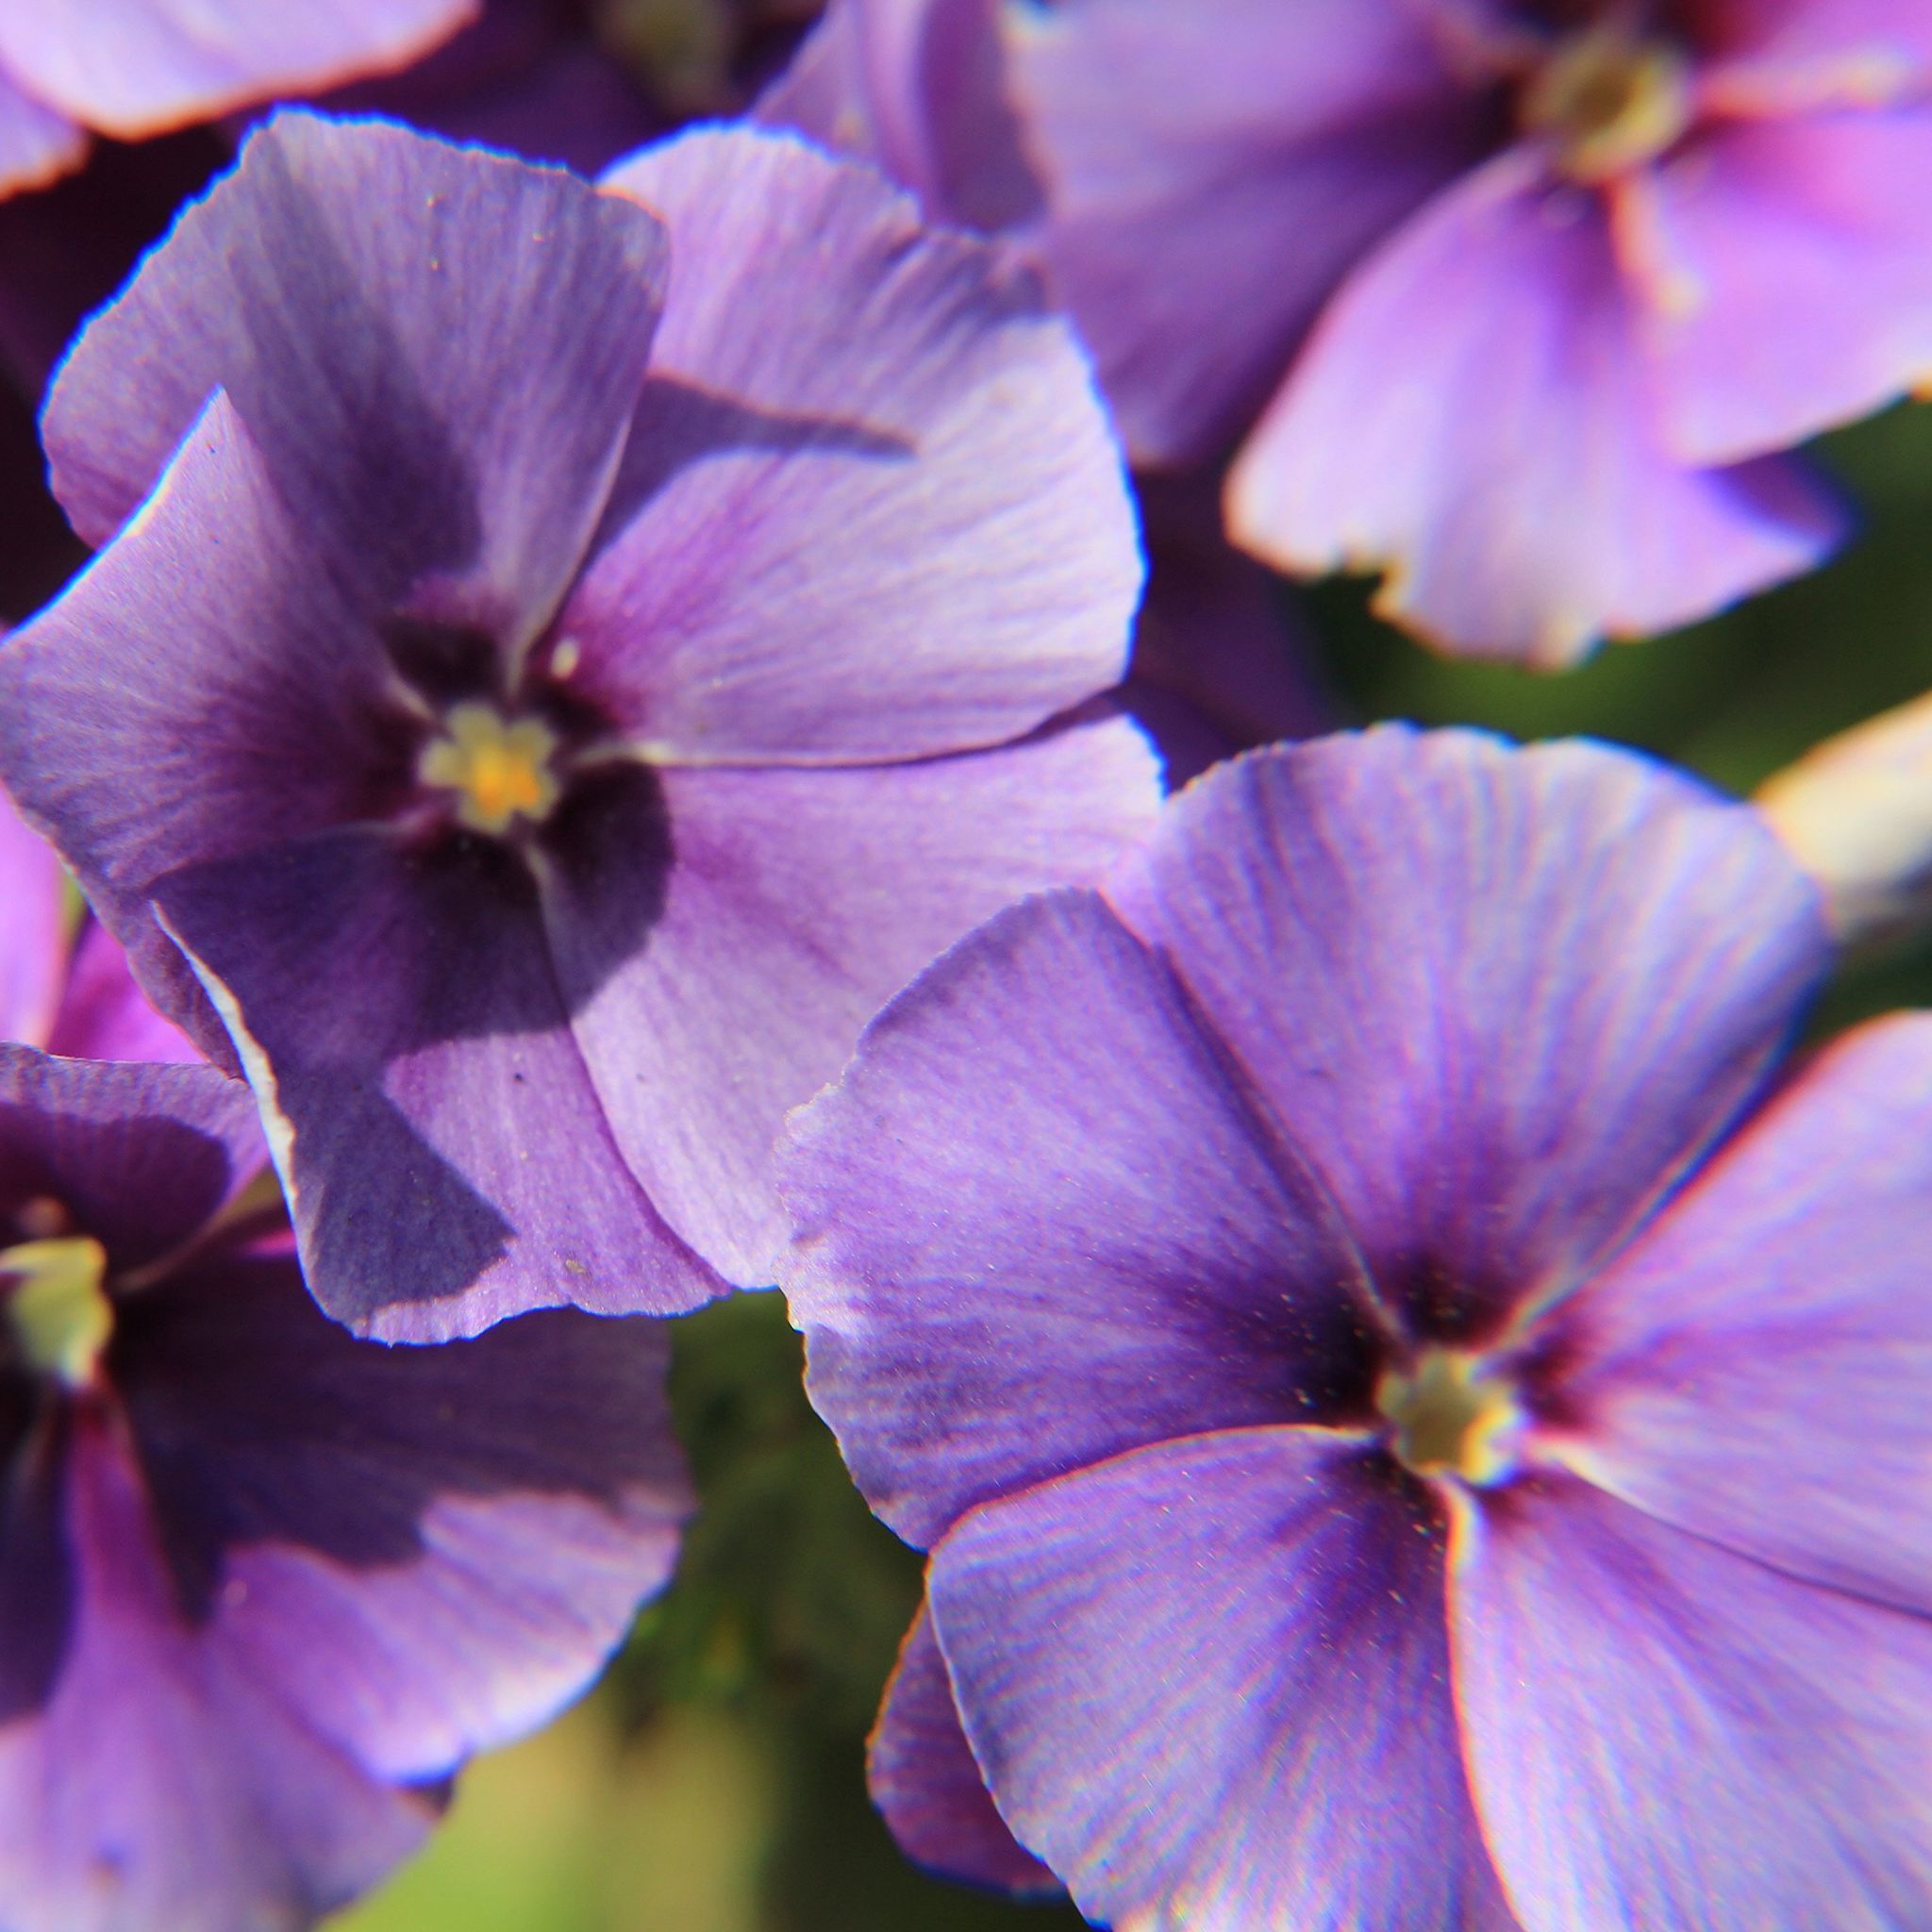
[1415, 1424]
[1513, 299]
[560, 661]
[263, 1586]
[135, 68]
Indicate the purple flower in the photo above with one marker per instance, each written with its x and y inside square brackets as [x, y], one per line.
[263, 1586]
[550, 742]
[135, 68]
[1401, 1443]
[917, 90]
[64, 984]
[1524, 295]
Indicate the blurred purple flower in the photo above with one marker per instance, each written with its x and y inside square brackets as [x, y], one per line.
[135, 68]
[1397, 1448]
[263, 1586]
[1577, 268]
[550, 743]
[64, 983]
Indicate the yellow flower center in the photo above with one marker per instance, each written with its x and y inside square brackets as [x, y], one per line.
[499, 771]
[1451, 1416]
[57, 1305]
[1609, 101]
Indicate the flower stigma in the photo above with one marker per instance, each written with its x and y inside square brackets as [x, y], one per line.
[57, 1305]
[1609, 101]
[1451, 1416]
[499, 771]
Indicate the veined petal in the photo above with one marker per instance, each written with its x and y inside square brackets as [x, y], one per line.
[1475, 415]
[445, 1157]
[1209, 1683]
[923, 1779]
[1663, 1733]
[1753, 1369]
[796, 904]
[871, 507]
[1037, 1223]
[1498, 998]
[436, 350]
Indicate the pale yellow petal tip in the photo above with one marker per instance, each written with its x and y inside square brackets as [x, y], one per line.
[1856, 813]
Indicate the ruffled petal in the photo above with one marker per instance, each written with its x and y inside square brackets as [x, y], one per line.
[872, 509]
[436, 349]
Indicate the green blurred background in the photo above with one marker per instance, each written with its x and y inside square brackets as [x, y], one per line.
[714, 1783]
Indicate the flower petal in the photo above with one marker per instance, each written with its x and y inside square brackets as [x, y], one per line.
[1475, 413]
[436, 350]
[142, 1158]
[922, 1777]
[872, 509]
[1773, 55]
[425, 1551]
[1208, 1682]
[1213, 170]
[1497, 997]
[445, 1154]
[37, 143]
[136, 67]
[251, 691]
[1754, 1370]
[1038, 1224]
[162, 1785]
[1788, 266]
[1661, 1733]
[103, 1015]
[797, 903]
[33, 950]
[916, 87]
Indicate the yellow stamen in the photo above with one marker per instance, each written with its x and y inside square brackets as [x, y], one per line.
[499, 771]
[57, 1305]
[1452, 1416]
[1610, 102]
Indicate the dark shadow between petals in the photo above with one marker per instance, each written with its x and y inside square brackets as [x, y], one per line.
[259, 1421]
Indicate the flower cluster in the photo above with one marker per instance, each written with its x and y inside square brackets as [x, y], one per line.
[611, 750]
